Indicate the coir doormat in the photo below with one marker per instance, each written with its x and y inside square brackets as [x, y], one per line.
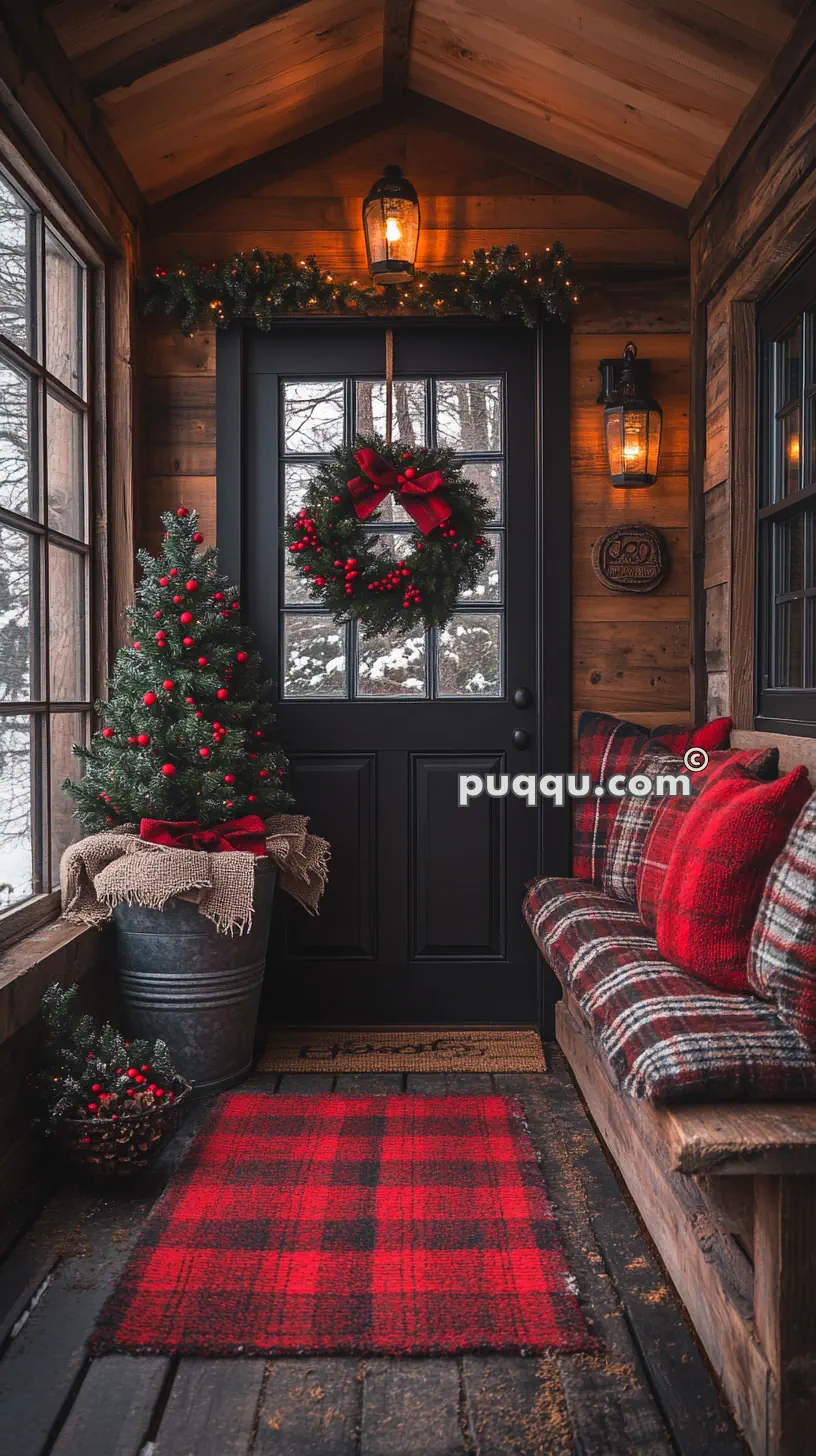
[432, 1049]
[371, 1225]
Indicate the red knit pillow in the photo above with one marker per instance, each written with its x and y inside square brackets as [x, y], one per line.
[722, 856]
[670, 811]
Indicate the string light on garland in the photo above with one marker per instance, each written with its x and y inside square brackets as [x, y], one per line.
[495, 284]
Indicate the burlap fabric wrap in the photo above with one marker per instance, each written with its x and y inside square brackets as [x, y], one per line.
[119, 868]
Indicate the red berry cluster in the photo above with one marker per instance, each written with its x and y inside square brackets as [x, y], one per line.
[394, 580]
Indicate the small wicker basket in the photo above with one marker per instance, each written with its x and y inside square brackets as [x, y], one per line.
[108, 1149]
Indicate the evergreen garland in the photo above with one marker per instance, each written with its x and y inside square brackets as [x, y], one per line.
[88, 1071]
[350, 570]
[189, 730]
[495, 284]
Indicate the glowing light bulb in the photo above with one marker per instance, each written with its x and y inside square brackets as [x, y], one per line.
[793, 449]
[393, 231]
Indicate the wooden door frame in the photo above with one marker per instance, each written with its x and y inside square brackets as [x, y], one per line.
[553, 521]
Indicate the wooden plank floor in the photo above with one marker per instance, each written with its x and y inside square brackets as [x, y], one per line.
[649, 1392]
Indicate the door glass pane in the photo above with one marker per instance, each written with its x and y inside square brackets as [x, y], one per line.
[66, 469]
[790, 430]
[19, 616]
[64, 288]
[66, 730]
[313, 416]
[18, 441]
[789, 625]
[314, 656]
[392, 666]
[17, 284]
[489, 586]
[469, 414]
[297, 478]
[67, 624]
[16, 798]
[488, 477]
[295, 585]
[408, 410]
[469, 656]
[790, 555]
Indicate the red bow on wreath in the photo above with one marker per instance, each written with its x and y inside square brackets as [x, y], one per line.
[414, 493]
[247, 834]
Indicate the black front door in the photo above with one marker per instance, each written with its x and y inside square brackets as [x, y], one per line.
[421, 921]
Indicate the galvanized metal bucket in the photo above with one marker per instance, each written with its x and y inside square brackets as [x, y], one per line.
[197, 990]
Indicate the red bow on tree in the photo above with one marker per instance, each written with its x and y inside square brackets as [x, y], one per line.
[414, 493]
[247, 834]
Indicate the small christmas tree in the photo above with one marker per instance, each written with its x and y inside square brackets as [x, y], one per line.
[188, 731]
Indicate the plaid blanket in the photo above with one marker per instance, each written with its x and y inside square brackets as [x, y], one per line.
[665, 1035]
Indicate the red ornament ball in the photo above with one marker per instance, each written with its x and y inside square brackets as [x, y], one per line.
[107, 732]
[241, 656]
[188, 641]
[199, 714]
[205, 752]
[168, 685]
[131, 740]
[251, 798]
[202, 661]
[164, 581]
[157, 615]
[168, 770]
[191, 586]
[182, 512]
[189, 700]
[263, 773]
[185, 618]
[178, 600]
[229, 778]
[174, 571]
[222, 693]
[218, 596]
[149, 699]
[143, 739]
[197, 537]
[136, 646]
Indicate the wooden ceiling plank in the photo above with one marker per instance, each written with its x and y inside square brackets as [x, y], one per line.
[36, 49]
[527, 156]
[317, 145]
[396, 45]
[205, 25]
[791, 60]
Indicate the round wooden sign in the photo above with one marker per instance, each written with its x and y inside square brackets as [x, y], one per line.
[631, 558]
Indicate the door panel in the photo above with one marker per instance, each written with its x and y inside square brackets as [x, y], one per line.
[421, 921]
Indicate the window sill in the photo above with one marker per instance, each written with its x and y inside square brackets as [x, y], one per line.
[56, 952]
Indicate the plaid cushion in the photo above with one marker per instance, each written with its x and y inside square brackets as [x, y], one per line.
[635, 824]
[608, 746]
[721, 859]
[665, 1035]
[782, 955]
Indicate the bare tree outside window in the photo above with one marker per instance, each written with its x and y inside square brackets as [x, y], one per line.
[44, 551]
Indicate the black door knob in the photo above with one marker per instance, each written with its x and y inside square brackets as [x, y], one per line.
[521, 738]
[522, 698]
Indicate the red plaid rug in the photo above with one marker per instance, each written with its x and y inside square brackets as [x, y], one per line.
[370, 1225]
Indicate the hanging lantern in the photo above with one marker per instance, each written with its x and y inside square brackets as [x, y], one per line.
[391, 226]
[633, 421]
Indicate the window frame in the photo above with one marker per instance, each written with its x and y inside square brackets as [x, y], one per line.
[785, 709]
[88, 400]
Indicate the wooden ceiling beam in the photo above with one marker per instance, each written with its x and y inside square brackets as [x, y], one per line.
[396, 45]
[526, 156]
[784, 69]
[30, 49]
[188, 30]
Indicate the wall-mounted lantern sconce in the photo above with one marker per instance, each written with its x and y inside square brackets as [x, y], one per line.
[633, 421]
[391, 226]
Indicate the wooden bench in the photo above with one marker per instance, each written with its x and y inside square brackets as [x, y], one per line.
[728, 1193]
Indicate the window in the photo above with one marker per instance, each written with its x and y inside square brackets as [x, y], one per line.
[45, 689]
[465, 658]
[786, 698]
